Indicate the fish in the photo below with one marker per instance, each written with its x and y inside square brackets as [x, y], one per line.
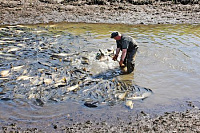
[31, 96]
[5, 99]
[122, 96]
[90, 105]
[39, 102]
[5, 73]
[72, 88]
[139, 97]
[4, 78]
[60, 84]
[24, 77]
[48, 81]
[63, 55]
[19, 96]
[8, 55]
[19, 31]
[103, 56]
[17, 68]
[13, 49]
[129, 104]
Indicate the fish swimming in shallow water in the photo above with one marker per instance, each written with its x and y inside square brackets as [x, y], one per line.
[72, 88]
[5, 73]
[140, 97]
[102, 56]
[24, 78]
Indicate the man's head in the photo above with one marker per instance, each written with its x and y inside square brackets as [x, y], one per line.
[116, 35]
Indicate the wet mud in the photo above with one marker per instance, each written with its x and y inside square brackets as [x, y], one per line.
[29, 12]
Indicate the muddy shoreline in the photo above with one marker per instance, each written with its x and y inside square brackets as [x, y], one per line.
[90, 121]
[16, 12]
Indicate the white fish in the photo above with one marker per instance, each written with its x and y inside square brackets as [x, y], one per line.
[122, 96]
[25, 71]
[20, 44]
[39, 31]
[33, 96]
[5, 73]
[19, 96]
[20, 26]
[19, 31]
[13, 49]
[62, 54]
[6, 41]
[129, 104]
[5, 54]
[24, 78]
[35, 81]
[140, 97]
[11, 26]
[3, 29]
[48, 81]
[52, 25]
[71, 88]
[17, 68]
[4, 78]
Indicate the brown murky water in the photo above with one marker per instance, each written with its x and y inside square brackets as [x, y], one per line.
[167, 62]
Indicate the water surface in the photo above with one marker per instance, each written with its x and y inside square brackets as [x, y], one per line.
[167, 62]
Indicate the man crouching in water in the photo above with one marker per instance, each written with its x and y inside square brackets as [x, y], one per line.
[128, 46]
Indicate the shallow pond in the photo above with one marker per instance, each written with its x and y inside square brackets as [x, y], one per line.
[167, 62]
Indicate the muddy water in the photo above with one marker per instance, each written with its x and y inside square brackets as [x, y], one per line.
[38, 60]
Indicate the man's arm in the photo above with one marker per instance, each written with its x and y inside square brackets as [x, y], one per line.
[117, 51]
[116, 55]
[124, 51]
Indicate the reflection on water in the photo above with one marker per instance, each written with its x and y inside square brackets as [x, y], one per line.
[167, 62]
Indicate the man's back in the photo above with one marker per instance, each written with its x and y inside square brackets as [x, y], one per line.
[126, 42]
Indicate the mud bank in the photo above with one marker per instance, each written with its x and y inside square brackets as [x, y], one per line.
[29, 12]
[187, 121]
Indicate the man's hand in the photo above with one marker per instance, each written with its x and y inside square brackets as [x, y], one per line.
[115, 57]
[121, 63]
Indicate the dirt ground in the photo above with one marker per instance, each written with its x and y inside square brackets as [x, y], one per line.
[31, 12]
